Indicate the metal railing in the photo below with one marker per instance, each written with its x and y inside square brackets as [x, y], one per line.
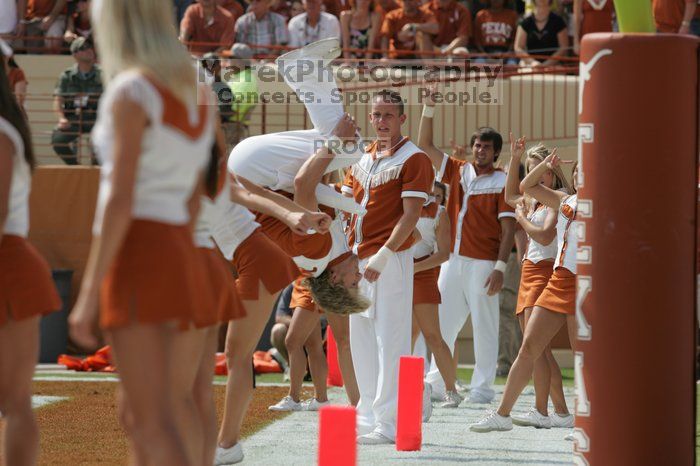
[539, 103]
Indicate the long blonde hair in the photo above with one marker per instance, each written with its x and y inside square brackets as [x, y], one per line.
[140, 34]
[541, 152]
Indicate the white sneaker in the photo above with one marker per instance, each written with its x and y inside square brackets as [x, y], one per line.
[461, 386]
[427, 403]
[374, 438]
[532, 418]
[476, 397]
[286, 404]
[313, 404]
[326, 49]
[562, 420]
[226, 456]
[492, 421]
[451, 400]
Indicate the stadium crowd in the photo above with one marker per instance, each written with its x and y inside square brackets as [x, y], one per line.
[367, 28]
[531, 33]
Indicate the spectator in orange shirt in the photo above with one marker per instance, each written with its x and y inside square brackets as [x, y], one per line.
[78, 21]
[336, 7]
[408, 29]
[455, 24]
[359, 27]
[674, 16]
[591, 16]
[43, 18]
[210, 26]
[232, 6]
[494, 29]
[383, 7]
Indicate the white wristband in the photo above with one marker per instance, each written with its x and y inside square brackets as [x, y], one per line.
[428, 112]
[378, 261]
[500, 266]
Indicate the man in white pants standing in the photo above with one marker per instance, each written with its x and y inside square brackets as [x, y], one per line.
[392, 180]
[482, 238]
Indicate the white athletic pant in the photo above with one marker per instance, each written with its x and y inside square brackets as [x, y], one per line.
[461, 285]
[378, 339]
[273, 160]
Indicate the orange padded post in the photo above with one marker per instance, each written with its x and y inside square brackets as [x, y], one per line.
[638, 140]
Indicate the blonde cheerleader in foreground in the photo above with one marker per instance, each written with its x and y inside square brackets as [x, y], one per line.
[554, 307]
[143, 272]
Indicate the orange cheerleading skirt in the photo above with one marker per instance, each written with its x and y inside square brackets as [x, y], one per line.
[301, 297]
[425, 286]
[26, 286]
[533, 280]
[560, 293]
[222, 286]
[258, 259]
[156, 277]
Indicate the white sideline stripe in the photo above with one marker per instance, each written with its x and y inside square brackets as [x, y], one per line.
[39, 401]
[116, 379]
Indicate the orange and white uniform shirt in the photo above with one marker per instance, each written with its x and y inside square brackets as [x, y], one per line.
[475, 205]
[597, 16]
[427, 223]
[537, 252]
[157, 274]
[567, 242]
[17, 222]
[380, 182]
[233, 225]
[312, 253]
[174, 151]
